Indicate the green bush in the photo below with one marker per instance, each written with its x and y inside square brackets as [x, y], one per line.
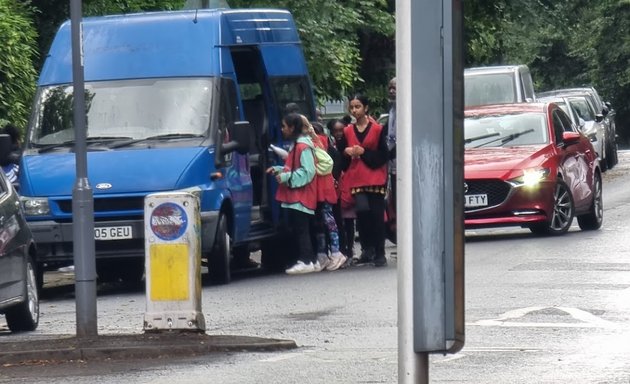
[18, 50]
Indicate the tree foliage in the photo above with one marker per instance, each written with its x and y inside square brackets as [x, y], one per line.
[349, 44]
[17, 50]
[566, 43]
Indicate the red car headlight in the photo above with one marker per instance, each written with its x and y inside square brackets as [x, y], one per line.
[531, 177]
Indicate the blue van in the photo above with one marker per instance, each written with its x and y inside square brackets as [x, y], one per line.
[185, 100]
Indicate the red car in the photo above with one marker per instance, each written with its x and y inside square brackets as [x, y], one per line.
[527, 165]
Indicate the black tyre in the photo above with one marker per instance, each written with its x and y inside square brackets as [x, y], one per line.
[39, 277]
[595, 217]
[611, 154]
[25, 315]
[219, 259]
[562, 215]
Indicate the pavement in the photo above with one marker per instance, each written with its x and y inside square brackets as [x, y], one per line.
[59, 349]
[32, 349]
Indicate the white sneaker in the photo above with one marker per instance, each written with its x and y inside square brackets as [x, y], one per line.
[317, 267]
[337, 260]
[323, 260]
[301, 268]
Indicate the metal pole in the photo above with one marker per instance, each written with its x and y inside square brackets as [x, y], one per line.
[82, 199]
[412, 367]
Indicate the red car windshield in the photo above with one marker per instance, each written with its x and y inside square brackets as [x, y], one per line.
[505, 130]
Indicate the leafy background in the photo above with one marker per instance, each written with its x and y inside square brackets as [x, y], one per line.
[350, 47]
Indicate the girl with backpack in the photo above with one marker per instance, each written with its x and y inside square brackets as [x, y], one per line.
[297, 191]
[325, 223]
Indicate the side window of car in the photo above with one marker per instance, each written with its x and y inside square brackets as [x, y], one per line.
[558, 127]
[566, 122]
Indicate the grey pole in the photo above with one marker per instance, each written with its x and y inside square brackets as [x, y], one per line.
[412, 367]
[82, 199]
[429, 175]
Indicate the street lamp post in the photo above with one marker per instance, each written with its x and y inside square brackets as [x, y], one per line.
[82, 198]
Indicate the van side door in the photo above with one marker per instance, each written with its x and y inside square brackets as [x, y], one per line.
[233, 165]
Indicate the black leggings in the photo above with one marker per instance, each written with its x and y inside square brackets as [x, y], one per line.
[371, 224]
[300, 226]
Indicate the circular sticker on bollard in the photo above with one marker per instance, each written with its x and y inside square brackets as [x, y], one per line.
[169, 221]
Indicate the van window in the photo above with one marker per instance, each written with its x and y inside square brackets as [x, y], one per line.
[296, 90]
[528, 86]
[127, 109]
[226, 115]
[491, 88]
[250, 91]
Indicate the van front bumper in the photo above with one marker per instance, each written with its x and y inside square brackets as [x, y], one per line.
[55, 240]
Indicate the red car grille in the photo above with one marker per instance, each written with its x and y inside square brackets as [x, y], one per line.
[496, 190]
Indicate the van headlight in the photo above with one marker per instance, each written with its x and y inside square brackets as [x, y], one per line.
[35, 206]
[531, 177]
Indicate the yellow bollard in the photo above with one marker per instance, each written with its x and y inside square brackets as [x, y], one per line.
[172, 227]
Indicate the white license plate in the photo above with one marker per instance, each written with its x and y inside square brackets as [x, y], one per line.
[113, 233]
[476, 200]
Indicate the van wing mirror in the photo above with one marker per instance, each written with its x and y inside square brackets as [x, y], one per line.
[599, 117]
[240, 138]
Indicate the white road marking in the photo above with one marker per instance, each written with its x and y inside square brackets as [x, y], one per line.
[276, 359]
[585, 319]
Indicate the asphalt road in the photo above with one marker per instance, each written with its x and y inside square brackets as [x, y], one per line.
[538, 310]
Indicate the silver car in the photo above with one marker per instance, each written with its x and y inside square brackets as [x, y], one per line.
[582, 114]
[19, 299]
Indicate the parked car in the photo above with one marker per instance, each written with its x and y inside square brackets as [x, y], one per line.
[602, 108]
[498, 84]
[19, 299]
[526, 165]
[583, 116]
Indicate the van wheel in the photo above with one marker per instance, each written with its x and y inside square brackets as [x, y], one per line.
[25, 316]
[219, 258]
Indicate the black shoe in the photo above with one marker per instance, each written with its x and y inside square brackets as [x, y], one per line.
[367, 257]
[380, 262]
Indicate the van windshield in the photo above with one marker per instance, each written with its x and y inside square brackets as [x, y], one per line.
[491, 88]
[125, 110]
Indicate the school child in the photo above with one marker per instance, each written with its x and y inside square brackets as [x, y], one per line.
[297, 191]
[364, 146]
[344, 209]
[326, 198]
